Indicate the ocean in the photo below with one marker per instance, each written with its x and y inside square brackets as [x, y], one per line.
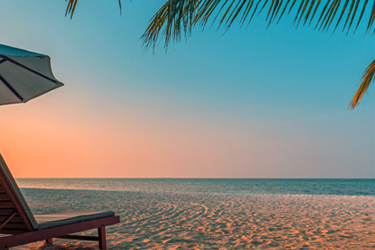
[234, 186]
[214, 213]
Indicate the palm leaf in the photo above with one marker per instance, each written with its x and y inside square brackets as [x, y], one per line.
[180, 16]
[367, 78]
[177, 17]
[175, 14]
[72, 7]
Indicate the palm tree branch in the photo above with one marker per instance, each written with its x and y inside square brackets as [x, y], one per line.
[342, 14]
[323, 14]
[255, 9]
[272, 9]
[348, 17]
[72, 6]
[225, 14]
[274, 13]
[353, 15]
[247, 11]
[372, 18]
[367, 78]
[298, 12]
[303, 11]
[180, 16]
[238, 9]
[282, 13]
[181, 13]
[316, 8]
[361, 15]
[333, 14]
[309, 11]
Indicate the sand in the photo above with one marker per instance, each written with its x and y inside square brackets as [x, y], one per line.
[217, 221]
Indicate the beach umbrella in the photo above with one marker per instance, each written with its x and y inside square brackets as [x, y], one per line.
[24, 75]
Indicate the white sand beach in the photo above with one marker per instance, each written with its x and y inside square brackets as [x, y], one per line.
[217, 221]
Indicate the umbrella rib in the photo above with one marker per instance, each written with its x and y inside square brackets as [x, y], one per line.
[27, 68]
[11, 88]
[4, 60]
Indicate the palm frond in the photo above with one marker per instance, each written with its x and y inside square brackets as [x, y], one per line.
[180, 16]
[367, 78]
[72, 7]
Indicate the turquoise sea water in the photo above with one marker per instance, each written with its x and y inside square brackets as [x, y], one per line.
[241, 186]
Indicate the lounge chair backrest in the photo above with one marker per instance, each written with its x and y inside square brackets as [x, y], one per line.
[15, 214]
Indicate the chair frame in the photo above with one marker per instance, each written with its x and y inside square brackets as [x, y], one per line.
[9, 198]
[62, 232]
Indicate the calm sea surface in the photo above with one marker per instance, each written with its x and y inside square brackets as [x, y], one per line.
[243, 186]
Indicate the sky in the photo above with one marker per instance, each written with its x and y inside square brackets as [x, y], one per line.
[246, 103]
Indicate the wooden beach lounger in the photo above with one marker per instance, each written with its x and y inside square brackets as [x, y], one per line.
[22, 227]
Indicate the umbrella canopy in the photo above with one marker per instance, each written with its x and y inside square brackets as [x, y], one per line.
[24, 75]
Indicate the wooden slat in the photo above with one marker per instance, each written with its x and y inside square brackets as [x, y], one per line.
[8, 210]
[6, 203]
[15, 219]
[4, 195]
[12, 231]
[10, 226]
[79, 237]
[13, 196]
[5, 200]
[8, 219]
[15, 222]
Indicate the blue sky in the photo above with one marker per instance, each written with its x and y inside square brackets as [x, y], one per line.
[250, 102]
